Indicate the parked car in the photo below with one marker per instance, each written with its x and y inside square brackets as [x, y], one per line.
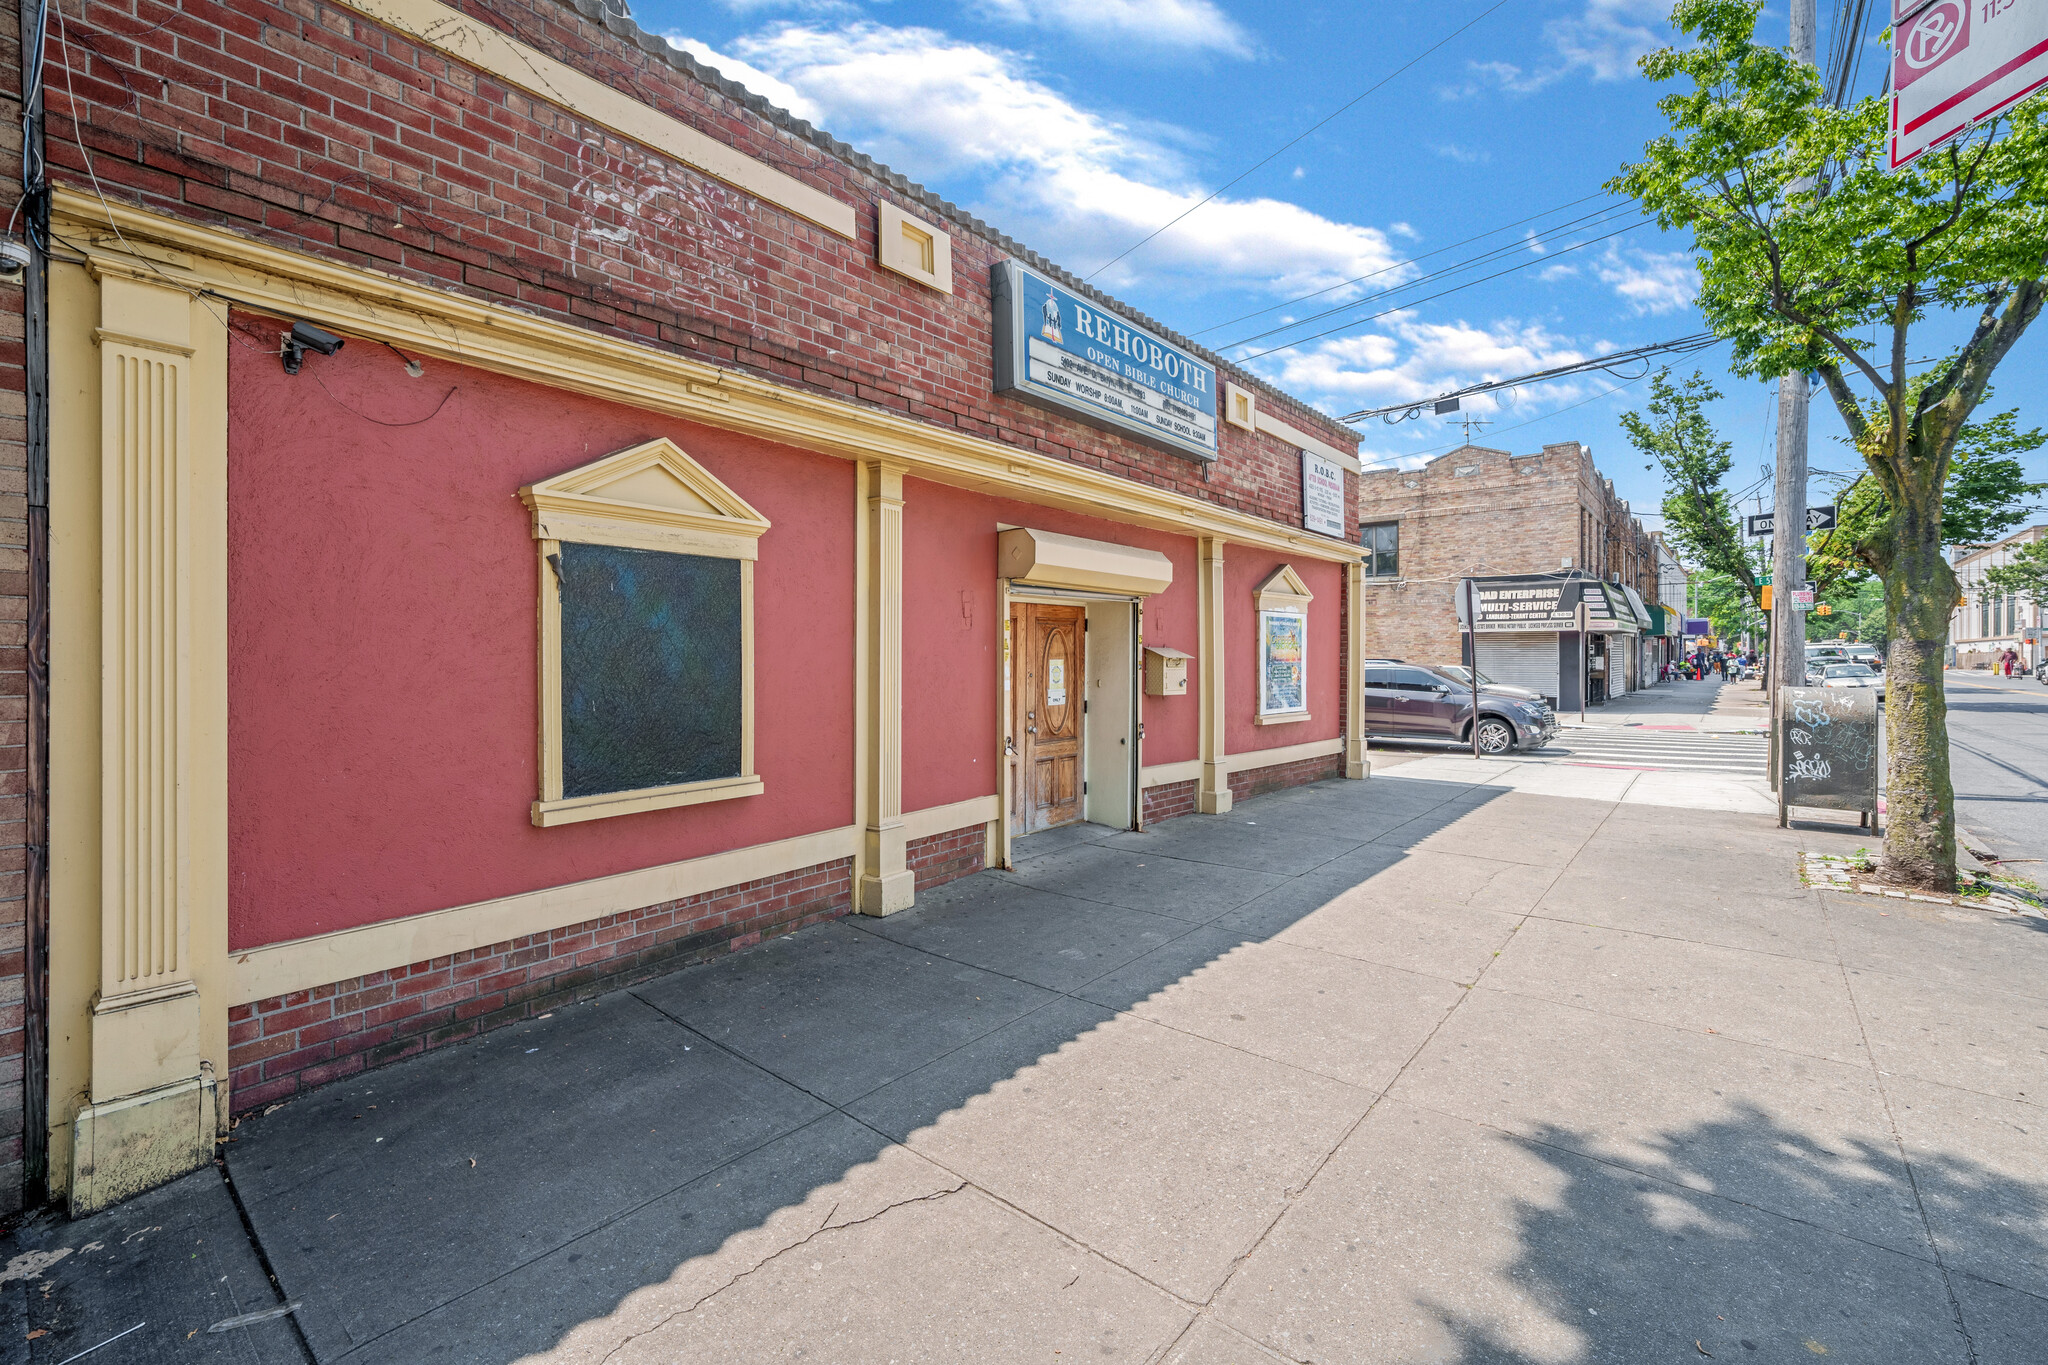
[1404, 701]
[1462, 676]
[1853, 675]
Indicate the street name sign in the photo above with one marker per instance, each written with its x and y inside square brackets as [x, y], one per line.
[1956, 63]
[1817, 519]
[1056, 348]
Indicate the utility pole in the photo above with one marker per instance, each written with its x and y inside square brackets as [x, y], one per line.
[1788, 519]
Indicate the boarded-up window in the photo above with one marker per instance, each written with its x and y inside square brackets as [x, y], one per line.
[651, 669]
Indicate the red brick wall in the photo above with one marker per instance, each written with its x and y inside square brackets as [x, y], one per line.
[308, 126]
[280, 1046]
[941, 858]
[1295, 774]
[1164, 803]
[13, 662]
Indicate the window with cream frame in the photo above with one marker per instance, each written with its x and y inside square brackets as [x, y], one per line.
[1283, 647]
[646, 636]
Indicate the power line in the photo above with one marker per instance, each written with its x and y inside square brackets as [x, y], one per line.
[1698, 341]
[1599, 218]
[1370, 274]
[1438, 450]
[1297, 138]
[1360, 322]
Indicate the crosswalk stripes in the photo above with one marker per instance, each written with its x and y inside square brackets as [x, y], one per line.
[1676, 750]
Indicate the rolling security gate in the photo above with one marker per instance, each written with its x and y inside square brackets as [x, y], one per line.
[1521, 659]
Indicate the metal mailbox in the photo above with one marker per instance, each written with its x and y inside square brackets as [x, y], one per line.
[1166, 672]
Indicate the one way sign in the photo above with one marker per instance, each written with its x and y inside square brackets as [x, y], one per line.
[1817, 519]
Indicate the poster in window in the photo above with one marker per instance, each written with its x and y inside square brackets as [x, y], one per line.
[1283, 662]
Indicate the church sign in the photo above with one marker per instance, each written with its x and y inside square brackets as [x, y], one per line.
[1059, 349]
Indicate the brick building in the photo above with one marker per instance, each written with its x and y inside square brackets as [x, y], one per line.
[1482, 513]
[527, 513]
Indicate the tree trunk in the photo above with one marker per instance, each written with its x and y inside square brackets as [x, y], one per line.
[1920, 594]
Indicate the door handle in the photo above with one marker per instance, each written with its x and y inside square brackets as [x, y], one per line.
[1031, 729]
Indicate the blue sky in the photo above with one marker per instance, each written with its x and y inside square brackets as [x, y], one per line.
[1080, 126]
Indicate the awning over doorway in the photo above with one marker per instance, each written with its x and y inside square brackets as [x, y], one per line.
[1050, 560]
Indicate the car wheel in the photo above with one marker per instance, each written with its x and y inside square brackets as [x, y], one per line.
[1496, 736]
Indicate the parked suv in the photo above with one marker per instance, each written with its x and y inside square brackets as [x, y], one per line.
[1403, 701]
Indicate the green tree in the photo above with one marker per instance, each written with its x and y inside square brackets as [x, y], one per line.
[1807, 242]
[1699, 521]
[1987, 496]
[2025, 574]
[1859, 610]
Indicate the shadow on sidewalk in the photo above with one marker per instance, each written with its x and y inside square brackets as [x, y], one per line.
[1639, 1260]
[477, 1203]
[484, 1202]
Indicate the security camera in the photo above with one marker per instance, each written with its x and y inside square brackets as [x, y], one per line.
[303, 337]
[14, 258]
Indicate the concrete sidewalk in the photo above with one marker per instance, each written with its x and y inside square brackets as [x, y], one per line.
[1410, 1069]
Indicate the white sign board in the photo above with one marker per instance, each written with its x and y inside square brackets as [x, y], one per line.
[1802, 599]
[1958, 62]
[1322, 496]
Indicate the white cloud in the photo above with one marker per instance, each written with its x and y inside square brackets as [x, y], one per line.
[1411, 359]
[1604, 41]
[1079, 184]
[1651, 281]
[1560, 270]
[1466, 156]
[787, 6]
[1185, 25]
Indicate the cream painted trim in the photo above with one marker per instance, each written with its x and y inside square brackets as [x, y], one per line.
[1283, 590]
[448, 326]
[477, 44]
[643, 512]
[1240, 406]
[138, 575]
[922, 824]
[1165, 774]
[301, 964]
[682, 509]
[1295, 436]
[1047, 559]
[902, 243]
[1282, 718]
[1212, 791]
[576, 809]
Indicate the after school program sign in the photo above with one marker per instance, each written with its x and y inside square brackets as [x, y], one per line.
[1057, 348]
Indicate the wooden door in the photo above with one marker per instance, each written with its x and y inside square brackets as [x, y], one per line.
[1049, 647]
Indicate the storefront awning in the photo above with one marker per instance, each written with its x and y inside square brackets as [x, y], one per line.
[1047, 559]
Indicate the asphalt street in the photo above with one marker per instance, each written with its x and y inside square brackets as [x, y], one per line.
[1998, 756]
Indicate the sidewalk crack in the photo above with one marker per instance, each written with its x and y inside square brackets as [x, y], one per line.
[825, 1225]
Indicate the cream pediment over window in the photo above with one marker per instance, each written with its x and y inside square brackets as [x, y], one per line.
[648, 497]
[1283, 590]
[646, 636]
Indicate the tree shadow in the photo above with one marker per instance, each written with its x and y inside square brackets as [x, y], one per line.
[481, 1202]
[1742, 1238]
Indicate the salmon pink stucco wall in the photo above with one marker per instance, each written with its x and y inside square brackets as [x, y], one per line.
[951, 639]
[382, 671]
[1244, 569]
[952, 635]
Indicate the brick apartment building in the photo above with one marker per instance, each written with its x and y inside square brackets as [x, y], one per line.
[1481, 513]
[525, 513]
